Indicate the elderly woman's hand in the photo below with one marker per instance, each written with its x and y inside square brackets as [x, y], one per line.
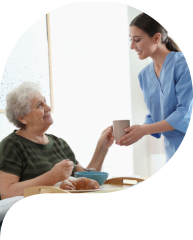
[106, 139]
[61, 171]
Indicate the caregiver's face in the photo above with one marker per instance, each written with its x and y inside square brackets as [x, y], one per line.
[144, 45]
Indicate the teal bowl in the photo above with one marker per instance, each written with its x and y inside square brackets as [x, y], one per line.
[100, 177]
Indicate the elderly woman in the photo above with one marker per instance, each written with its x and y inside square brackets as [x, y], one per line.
[30, 157]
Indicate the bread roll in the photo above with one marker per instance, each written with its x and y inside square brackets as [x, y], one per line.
[67, 185]
[81, 183]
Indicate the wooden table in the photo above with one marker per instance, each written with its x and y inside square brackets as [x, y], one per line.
[111, 185]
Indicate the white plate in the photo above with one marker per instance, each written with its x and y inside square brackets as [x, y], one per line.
[58, 184]
[80, 191]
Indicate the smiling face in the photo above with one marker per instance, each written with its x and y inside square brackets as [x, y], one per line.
[39, 119]
[144, 45]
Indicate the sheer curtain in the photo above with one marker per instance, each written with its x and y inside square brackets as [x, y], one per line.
[90, 59]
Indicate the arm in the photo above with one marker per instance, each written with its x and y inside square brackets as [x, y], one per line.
[149, 120]
[98, 158]
[136, 132]
[159, 127]
[11, 187]
[105, 141]
[180, 118]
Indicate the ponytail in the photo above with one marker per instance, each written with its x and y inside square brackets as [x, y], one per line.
[171, 45]
[151, 27]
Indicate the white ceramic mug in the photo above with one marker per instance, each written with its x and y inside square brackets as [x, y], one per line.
[119, 128]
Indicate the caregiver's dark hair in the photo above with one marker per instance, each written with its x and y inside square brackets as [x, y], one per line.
[151, 27]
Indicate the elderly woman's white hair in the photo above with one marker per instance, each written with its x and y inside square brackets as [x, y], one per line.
[18, 101]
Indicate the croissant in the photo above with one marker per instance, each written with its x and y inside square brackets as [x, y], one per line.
[81, 183]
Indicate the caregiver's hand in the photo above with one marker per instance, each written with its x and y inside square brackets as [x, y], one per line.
[134, 133]
[106, 139]
[61, 171]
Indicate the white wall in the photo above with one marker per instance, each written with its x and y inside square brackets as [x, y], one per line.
[5, 127]
[91, 78]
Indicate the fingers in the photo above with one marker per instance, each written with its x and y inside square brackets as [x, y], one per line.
[128, 129]
[128, 141]
[66, 166]
[124, 138]
[66, 163]
[127, 144]
[108, 130]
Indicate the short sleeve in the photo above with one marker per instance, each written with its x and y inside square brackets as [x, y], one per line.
[149, 120]
[180, 118]
[11, 160]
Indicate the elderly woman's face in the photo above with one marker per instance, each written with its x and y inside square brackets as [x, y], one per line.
[40, 116]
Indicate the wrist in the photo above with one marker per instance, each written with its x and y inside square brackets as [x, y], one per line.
[103, 152]
[98, 157]
[49, 181]
[146, 129]
[101, 148]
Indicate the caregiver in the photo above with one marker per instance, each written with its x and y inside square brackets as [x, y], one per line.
[166, 85]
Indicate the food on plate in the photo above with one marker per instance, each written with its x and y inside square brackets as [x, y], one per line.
[81, 183]
[67, 185]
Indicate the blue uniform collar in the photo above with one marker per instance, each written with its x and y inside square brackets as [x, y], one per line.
[156, 81]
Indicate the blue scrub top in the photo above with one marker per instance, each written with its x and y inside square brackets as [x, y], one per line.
[169, 98]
